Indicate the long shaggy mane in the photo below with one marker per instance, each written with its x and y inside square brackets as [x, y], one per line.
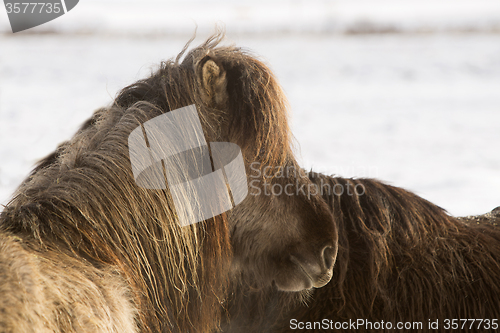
[82, 200]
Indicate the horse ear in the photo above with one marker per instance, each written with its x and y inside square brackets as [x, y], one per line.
[213, 82]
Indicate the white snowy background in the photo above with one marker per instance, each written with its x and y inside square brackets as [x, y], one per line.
[406, 91]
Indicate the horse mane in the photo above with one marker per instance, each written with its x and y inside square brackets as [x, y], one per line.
[378, 227]
[402, 257]
[82, 199]
[258, 121]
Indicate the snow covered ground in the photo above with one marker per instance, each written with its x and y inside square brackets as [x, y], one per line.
[418, 110]
[155, 17]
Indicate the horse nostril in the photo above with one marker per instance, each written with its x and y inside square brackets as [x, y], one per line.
[329, 254]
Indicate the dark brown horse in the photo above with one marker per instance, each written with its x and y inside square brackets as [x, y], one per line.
[83, 248]
[403, 264]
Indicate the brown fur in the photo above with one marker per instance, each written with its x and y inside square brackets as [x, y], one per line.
[400, 259]
[84, 249]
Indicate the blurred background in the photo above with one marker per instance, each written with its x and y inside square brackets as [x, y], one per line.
[406, 91]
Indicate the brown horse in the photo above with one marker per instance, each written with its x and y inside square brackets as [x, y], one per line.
[83, 248]
[403, 264]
